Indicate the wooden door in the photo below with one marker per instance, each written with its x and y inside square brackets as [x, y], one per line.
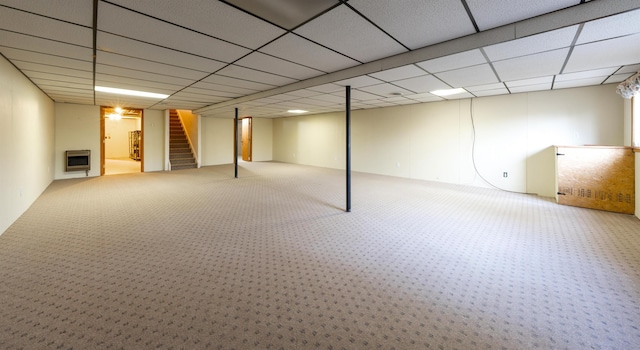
[596, 177]
[246, 139]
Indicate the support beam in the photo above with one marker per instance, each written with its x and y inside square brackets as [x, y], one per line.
[348, 132]
[235, 145]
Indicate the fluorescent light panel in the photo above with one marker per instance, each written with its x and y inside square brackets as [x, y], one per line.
[130, 92]
[448, 92]
[297, 111]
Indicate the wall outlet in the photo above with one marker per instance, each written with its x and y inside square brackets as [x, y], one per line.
[505, 174]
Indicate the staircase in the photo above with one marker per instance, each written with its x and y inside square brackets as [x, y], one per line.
[180, 154]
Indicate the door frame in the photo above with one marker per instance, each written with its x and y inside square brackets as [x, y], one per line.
[103, 112]
[247, 136]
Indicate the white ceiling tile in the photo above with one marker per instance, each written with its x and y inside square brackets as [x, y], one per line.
[203, 95]
[469, 76]
[301, 93]
[607, 53]
[193, 97]
[219, 87]
[418, 23]
[387, 90]
[330, 98]
[32, 43]
[234, 71]
[327, 88]
[552, 40]
[455, 61]
[364, 43]
[491, 92]
[477, 88]
[236, 82]
[533, 81]
[129, 24]
[420, 84]
[616, 78]
[459, 96]
[578, 82]
[75, 11]
[528, 88]
[56, 77]
[26, 23]
[293, 48]
[130, 73]
[494, 13]
[29, 67]
[117, 44]
[313, 102]
[358, 82]
[274, 65]
[632, 68]
[425, 97]
[605, 72]
[34, 57]
[610, 27]
[359, 95]
[139, 84]
[45, 83]
[542, 64]
[118, 60]
[214, 18]
[399, 73]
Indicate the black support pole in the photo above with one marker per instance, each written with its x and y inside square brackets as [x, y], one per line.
[235, 145]
[348, 132]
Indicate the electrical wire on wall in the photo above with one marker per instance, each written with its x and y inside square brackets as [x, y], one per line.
[473, 154]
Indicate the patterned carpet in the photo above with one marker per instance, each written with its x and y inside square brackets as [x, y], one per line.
[195, 259]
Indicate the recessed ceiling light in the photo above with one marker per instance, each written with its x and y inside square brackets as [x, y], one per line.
[297, 111]
[448, 92]
[130, 92]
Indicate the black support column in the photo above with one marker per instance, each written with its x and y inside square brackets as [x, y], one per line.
[235, 145]
[348, 132]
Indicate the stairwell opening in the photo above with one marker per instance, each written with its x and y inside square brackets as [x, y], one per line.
[181, 154]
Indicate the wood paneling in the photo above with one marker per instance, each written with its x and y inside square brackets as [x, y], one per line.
[596, 177]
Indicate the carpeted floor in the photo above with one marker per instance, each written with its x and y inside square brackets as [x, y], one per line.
[195, 259]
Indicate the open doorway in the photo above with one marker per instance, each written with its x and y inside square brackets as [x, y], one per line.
[121, 147]
[247, 146]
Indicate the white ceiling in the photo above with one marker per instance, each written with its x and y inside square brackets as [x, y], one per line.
[265, 58]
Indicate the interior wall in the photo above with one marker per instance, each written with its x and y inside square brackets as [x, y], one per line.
[153, 140]
[116, 133]
[27, 120]
[217, 141]
[77, 128]
[514, 134]
[262, 139]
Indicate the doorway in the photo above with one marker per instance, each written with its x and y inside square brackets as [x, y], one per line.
[247, 146]
[121, 133]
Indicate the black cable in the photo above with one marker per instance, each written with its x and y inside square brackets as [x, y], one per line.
[473, 154]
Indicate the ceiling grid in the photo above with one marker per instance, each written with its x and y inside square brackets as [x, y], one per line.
[267, 57]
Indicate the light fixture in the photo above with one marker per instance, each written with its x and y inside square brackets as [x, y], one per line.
[130, 92]
[115, 116]
[448, 92]
[297, 111]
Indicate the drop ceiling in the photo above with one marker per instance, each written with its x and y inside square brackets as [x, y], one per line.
[267, 57]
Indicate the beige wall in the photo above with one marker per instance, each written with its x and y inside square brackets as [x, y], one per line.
[26, 143]
[116, 133]
[153, 140]
[262, 139]
[217, 141]
[434, 141]
[77, 127]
